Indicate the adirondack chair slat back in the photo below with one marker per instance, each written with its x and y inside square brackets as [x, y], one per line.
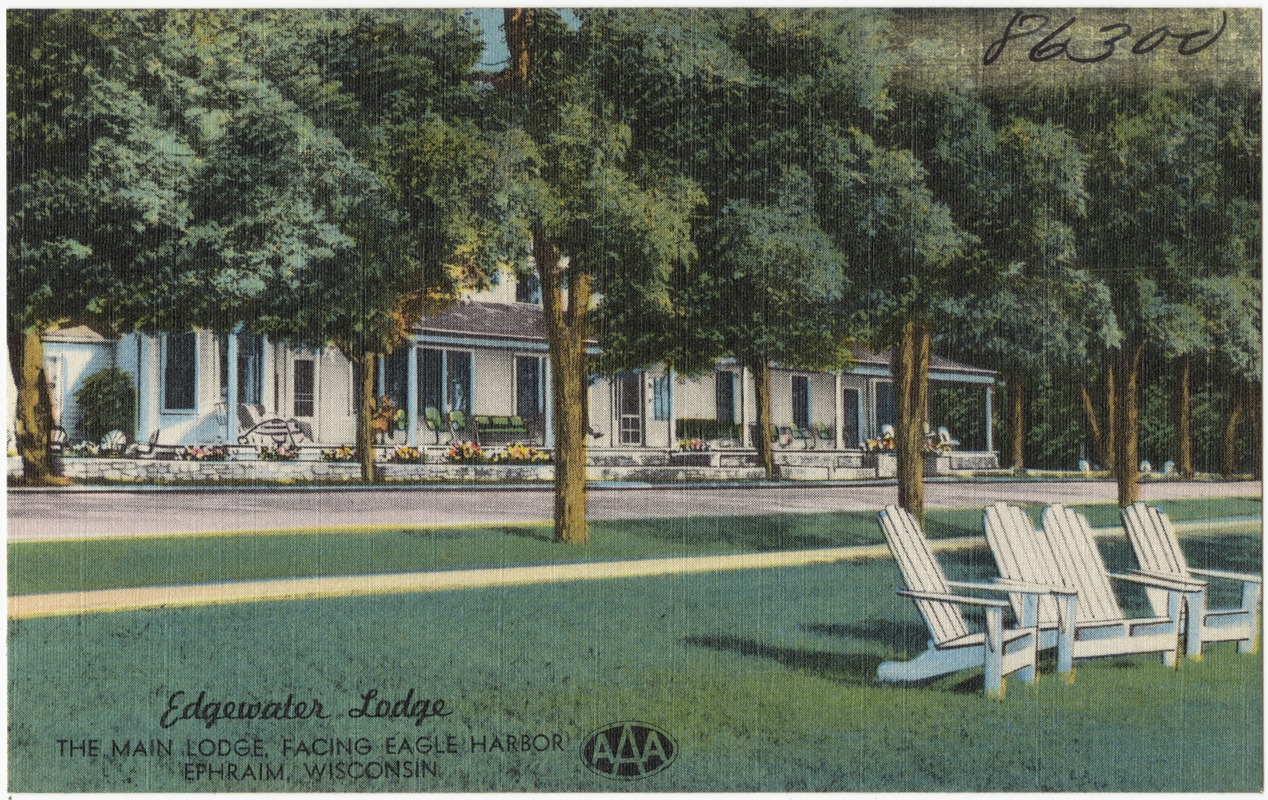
[1154, 541]
[1022, 555]
[921, 572]
[1079, 563]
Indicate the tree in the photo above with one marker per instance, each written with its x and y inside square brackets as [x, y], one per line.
[291, 171]
[762, 108]
[595, 215]
[155, 184]
[1174, 180]
[394, 89]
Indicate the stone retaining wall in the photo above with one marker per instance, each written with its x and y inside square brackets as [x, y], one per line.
[809, 465]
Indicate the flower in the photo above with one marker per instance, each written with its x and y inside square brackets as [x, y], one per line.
[696, 445]
[517, 453]
[465, 453]
[280, 453]
[213, 452]
[344, 453]
[406, 455]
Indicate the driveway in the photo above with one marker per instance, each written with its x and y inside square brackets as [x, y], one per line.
[82, 513]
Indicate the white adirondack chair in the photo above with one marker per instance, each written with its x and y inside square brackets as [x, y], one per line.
[1022, 555]
[952, 646]
[1158, 551]
[1101, 627]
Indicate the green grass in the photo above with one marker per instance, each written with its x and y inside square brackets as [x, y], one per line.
[764, 678]
[49, 566]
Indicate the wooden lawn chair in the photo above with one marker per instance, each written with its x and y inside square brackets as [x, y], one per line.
[952, 646]
[1102, 629]
[1158, 552]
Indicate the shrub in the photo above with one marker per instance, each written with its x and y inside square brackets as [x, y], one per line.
[108, 402]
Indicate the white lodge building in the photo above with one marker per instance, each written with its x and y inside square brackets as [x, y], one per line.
[486, 357]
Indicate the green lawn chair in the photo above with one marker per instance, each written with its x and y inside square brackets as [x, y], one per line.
[431, 418]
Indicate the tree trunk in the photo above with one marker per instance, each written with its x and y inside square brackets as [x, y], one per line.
[1256, 431]
[761, 382]
[365, 415]
[566, 327]
[1111, 417]
[1127, 426]
[911, 379]
[1094, 425]
[566, 337]
[1230, 430]
[1017, 420]
[1184, 419]
[34, 413]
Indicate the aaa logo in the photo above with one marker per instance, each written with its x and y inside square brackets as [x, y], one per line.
[628, 750]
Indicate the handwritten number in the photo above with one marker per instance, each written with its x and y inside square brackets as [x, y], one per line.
[1046, 50]
[996, 48]
[1049, 47]
[1144, 45]
[1185, 50]
[1109, 44]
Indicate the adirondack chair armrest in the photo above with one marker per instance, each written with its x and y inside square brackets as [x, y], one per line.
[1152, 579]
[1032, 588]
[1243, 577]
[953, 598]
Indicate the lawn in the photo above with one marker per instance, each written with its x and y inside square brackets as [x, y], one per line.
[763, 678]
[50, 566]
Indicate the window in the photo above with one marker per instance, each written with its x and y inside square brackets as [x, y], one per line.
[801, 401]
[725, 396]
[250, 368]
[850, 416]
[884, 405]
[528, 387]
[396, 383]
[528, 289]
[303, 386]
[446, 380]
[660, 398]
[180, 371]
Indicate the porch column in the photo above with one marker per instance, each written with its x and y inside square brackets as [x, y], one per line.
[745, 438]
[840, 411]
[411, 396]
[444, 386]
[548, 413]
[990, 437]
[669, 398]
[231, 392]
[382, 376]
[267, 398]
[146, 385]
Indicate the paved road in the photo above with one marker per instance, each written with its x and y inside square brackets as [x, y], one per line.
[38, 514]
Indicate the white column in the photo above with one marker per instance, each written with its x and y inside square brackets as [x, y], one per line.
[839, 411]
[266, 366]
[382, 375]
[745, 438]
[990, 434]
[231, 393]
[147, 383]
[411, 396]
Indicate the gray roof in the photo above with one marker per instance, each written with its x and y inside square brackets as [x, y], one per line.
[509, 321]
[865, 357]
[524, 322]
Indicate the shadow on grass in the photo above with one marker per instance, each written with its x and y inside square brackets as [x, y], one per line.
[532, 533]
[909, 637]
[848, 668]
